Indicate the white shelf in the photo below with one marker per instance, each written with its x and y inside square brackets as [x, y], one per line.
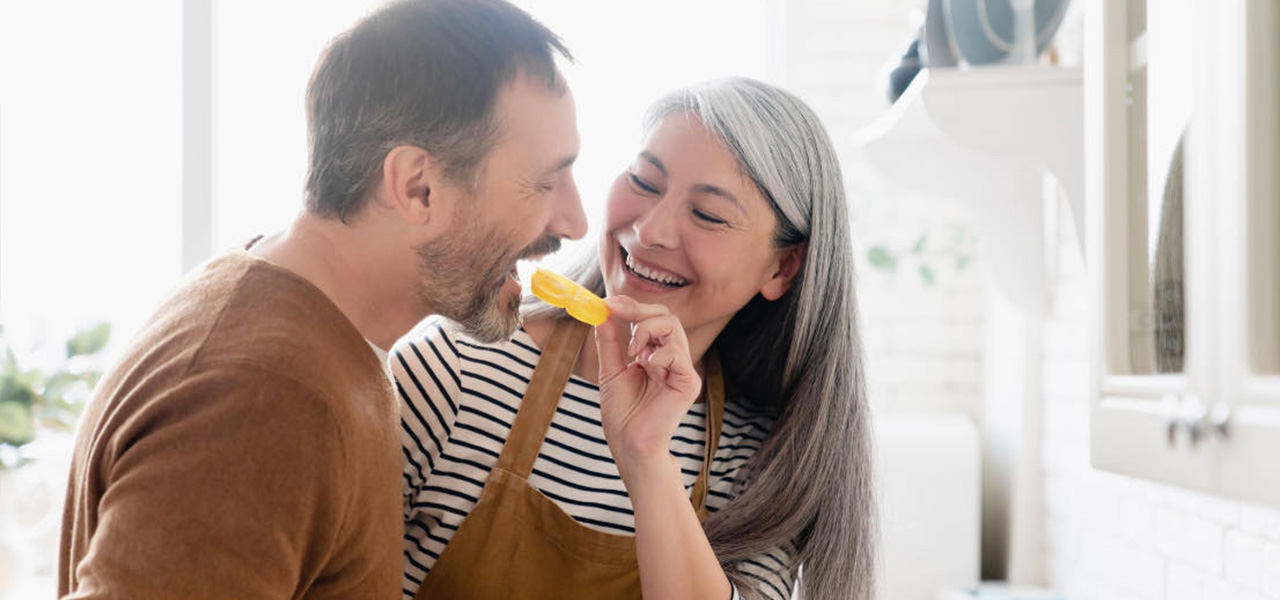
[1000, 140]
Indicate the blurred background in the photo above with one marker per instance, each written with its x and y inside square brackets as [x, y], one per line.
[139, 138]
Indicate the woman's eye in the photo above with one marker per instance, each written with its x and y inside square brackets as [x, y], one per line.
[707, 218]
[640, 183]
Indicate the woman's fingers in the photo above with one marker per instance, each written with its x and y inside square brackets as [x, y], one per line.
[652, 324]
[656, 331]
[670, 366]
[657, 343]
[613, 358]
[625, 308]
[613, 350]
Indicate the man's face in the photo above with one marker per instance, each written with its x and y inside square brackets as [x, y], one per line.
[523, 202]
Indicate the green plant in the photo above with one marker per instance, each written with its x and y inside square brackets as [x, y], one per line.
[34, 399]
[927, 258]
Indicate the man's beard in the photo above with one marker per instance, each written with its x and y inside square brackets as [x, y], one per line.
[463, 277]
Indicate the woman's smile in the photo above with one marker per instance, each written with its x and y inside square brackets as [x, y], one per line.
[650, 274]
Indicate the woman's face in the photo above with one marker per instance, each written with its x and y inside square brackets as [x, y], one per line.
[686, 228]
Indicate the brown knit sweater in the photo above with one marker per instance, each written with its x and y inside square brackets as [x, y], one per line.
[245, 447]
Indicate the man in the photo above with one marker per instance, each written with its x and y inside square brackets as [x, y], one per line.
[246, 446]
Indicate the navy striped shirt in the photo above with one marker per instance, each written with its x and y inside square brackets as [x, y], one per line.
[458, 401]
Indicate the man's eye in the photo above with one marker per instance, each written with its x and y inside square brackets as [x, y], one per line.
[642, 184]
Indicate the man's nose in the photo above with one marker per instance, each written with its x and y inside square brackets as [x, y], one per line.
[569, 220]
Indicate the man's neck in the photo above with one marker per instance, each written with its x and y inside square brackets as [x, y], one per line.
[363, 285]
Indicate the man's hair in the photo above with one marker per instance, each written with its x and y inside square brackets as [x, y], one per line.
[424, 73]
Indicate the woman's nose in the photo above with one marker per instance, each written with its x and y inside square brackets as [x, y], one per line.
[657, 227]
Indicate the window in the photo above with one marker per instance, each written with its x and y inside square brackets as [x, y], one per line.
[90, 171]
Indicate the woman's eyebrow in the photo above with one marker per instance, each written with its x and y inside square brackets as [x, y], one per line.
[701, 188]
[706, 188]
[645, 154]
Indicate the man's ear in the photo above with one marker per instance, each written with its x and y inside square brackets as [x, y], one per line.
[409, 174]
[789, 265]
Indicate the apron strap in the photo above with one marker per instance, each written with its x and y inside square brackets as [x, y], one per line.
[715, 418]
[547, 385]
[541, 398]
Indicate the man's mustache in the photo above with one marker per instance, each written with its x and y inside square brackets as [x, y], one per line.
[544, 245]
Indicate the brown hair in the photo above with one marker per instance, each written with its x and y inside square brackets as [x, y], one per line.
[424, 73]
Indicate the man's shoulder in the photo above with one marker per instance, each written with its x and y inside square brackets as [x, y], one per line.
[240, 322]
[273, 320]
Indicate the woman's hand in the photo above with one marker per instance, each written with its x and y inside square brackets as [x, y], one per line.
[641, 404]
[643, 401]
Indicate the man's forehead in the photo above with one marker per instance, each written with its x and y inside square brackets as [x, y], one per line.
[538, 121]
[525, 88]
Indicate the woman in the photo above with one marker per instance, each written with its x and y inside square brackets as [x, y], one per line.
[727, 260]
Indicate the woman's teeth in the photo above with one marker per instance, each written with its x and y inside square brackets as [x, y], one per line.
[654, 276]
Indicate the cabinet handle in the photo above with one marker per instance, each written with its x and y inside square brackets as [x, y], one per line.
[1169, 408]
[1193, 414]
[1188, 414]
[1220, 419]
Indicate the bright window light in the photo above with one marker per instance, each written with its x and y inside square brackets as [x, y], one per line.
[90, 162]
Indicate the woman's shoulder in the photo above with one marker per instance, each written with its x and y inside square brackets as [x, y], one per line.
[742, 420]
[539, 330]
[434, 327]
[434, 337]
[447, 337]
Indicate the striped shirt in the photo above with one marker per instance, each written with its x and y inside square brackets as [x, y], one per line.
[458, 401]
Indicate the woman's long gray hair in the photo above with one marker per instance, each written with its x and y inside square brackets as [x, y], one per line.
[798, 359]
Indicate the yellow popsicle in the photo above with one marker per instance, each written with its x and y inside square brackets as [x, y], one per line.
[560, 291]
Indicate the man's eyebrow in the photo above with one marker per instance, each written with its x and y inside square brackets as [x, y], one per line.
[705, 188]
[645, 154]
[564, 163]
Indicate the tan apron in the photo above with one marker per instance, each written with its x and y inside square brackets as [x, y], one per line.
[517, 543]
